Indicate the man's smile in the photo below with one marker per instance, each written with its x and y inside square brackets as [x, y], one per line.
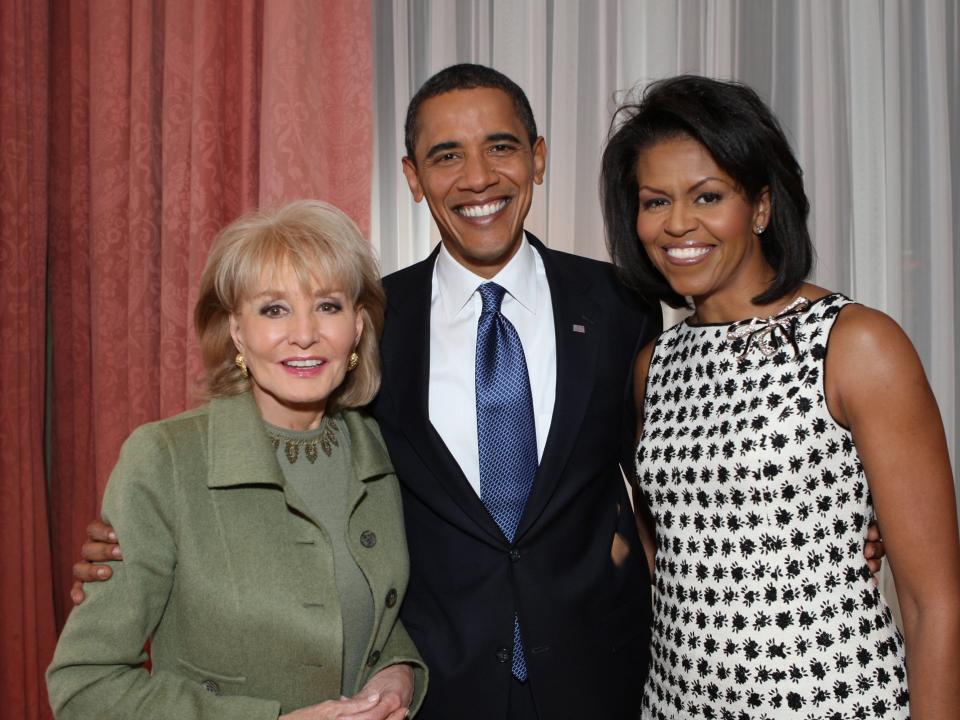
[482, 211]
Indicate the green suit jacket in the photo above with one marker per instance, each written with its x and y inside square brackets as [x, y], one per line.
[230, 579]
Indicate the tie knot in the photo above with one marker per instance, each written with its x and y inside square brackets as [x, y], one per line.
[492, 295]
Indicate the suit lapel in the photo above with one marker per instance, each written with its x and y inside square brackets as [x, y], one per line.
[575, 317]
[406, 368]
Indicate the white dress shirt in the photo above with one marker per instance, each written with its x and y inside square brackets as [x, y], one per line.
[455, 309]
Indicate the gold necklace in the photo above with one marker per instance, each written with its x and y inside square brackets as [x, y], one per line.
[326, 440]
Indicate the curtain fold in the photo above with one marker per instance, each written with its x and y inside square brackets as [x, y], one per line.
[26, 600]
[317, 121]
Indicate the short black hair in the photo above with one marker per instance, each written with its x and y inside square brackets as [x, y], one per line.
[745, 139]
[467, 76]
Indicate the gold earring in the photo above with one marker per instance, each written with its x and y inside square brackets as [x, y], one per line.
[241, 362]
[353, 362]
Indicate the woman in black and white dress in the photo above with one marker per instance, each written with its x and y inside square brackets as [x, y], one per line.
[775, 423]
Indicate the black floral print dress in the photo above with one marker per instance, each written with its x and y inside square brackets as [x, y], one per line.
[764, 606]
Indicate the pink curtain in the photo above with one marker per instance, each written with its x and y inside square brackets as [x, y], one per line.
[26, 599]
[166, 121]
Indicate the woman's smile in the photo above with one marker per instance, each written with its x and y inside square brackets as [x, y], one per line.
[686, 254]
[306, 367]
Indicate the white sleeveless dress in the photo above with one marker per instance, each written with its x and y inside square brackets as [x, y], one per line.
[764, 606]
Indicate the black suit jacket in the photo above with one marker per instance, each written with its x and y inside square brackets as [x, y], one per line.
[576, 572]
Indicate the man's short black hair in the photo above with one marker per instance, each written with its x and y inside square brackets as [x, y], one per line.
[467, 76]
[744, 138]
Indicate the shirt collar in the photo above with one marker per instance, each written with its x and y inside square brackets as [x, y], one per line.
[518, 277]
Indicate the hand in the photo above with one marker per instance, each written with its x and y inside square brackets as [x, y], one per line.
[393, 687]
[873, 549]
[333, 709]
[101, 546]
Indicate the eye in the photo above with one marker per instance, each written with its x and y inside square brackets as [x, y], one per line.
[273, 310]
[501, 149]
[445, 158]
[708, 198]
[329, 306]
[653, 203]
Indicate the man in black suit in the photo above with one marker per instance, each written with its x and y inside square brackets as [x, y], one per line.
[573, 577]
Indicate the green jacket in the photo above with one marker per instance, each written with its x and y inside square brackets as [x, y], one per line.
[229, 579]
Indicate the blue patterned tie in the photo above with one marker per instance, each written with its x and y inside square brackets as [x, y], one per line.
[506, 433]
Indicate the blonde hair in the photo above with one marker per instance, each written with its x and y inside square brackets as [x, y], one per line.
[317, 243]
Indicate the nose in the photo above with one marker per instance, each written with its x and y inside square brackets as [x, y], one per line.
[478, 173]
[303, 330]
[680, 220]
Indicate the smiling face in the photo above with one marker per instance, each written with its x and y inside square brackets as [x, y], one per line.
[296, 343]
[475, 166]
[697, 226]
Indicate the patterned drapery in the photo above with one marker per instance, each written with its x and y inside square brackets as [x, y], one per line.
[26, 597]
[157, 124]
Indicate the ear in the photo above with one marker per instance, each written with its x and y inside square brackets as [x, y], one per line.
[539, 159]
[359, 321]
[761, 209]
[235, 331]
[413, 179]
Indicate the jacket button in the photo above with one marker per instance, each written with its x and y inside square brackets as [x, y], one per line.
[391, 598]
[210, 686]
[514, 555]
[368, 538]
[374, 657]
[503, 654]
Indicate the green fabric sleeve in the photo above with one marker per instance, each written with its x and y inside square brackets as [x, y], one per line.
[97, 670]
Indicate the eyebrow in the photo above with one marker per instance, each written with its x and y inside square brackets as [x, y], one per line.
[500, 137]
[268, 292]
[442, 147]
[690, 189]
[282, 294]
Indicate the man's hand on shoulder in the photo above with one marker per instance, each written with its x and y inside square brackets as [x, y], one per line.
[101, 546]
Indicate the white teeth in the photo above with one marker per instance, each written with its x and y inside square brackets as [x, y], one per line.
[478, 211]
[685, 253]
[304, 363]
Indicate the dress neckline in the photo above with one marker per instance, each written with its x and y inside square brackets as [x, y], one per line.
[811, 303]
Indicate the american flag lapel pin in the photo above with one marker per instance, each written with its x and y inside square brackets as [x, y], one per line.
[579, 329]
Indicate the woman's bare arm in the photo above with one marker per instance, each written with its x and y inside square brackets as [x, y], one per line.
[876, 386]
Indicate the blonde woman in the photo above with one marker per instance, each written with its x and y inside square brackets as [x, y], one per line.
[264, 556]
